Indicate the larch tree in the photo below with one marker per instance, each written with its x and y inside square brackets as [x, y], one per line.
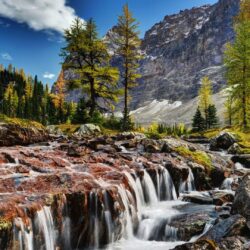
[87, 57]
[205, 98]
[237, 61]
[128, 44]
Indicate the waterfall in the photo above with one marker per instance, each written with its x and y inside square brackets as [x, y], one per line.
[149, 189]
[45, 221]
[188, 184]
[136, 191]
[227, 184]
[171, 233]
[25, 235]
[128, 226]
[167, 186]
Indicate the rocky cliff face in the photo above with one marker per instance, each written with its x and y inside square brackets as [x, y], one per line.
[179, 51]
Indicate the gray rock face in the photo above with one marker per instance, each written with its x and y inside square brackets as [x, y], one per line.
[183, 48]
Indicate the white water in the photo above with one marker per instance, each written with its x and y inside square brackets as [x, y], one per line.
[25, 236]
[188, 184]
[227, 183]
[46, 224]
[150, 189]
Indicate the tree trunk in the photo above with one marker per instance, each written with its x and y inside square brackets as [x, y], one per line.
[244, 104]
[92, 98]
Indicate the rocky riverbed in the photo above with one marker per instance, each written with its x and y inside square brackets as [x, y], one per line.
[121, 192]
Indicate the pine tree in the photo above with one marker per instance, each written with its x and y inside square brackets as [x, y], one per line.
[87, 56]
[128, 43]
[212, 116]
[237, 60]
[81, 114]
[205, 99]
[198, 121]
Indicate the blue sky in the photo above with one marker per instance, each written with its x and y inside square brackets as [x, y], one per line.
[31, 31]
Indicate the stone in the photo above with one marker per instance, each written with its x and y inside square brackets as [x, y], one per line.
[223, 141]
[87, 130]
[197, 199]
[189, 225]
[234, 149]
[232, 226]
[241, 204]
[54, 130]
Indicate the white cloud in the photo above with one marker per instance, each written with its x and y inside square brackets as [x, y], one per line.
[48, 75]
[6, 56]
[39, 14]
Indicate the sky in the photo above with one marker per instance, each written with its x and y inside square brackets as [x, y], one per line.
[31, 31]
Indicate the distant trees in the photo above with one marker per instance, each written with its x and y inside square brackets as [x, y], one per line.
[206, 114]
[26, 97]
[128, 43]
[86, 55]
[237, 61]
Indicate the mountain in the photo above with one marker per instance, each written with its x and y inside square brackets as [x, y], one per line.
[183, 48]
[178, 52]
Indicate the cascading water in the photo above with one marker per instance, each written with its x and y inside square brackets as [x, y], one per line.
[149, 189]
[46, 224]
[188, 184]
[25, 235]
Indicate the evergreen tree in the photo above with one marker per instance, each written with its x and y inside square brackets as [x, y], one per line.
[205, 99]
[212, 116]
[128, 43]
[81, 114]
[198, 121]
[87, 56]
[237, 60]
[70, 113]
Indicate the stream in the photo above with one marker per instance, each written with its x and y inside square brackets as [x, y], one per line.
[144, 210]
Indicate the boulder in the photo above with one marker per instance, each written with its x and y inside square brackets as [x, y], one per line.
[234, 149]
[53, 130]
[87, 130]
[198, 245]
[130, 135]
[242, 159]
[190, 225]
[223, 141]
[232, 226]
[233, 243]
[241, 204]
[14, 134]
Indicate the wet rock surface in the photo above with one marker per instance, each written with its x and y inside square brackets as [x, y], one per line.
[90, 192]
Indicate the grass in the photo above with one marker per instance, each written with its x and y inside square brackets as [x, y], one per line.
[20, 122]
[197, 156]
